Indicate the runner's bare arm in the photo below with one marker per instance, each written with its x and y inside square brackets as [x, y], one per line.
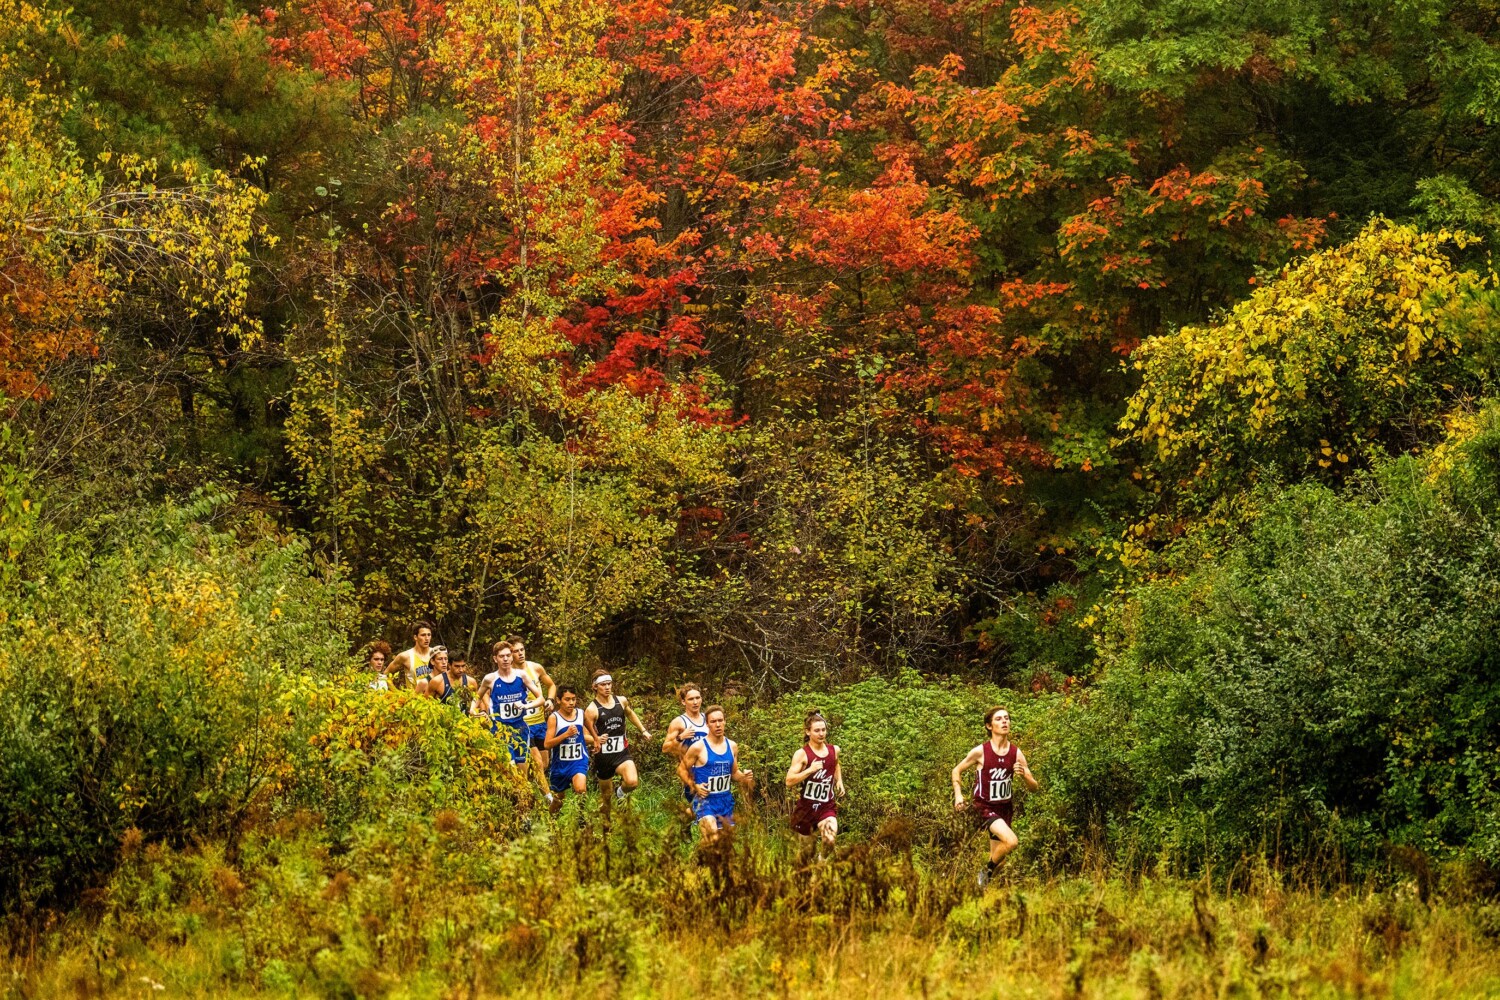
[685, 774]
[534, 691]
[744, 778]
[800, 770]
[970, 759]
[484, 689]
[1024, 770]
[553, 737]
[590, 735]
[673, 743]
[633, 717]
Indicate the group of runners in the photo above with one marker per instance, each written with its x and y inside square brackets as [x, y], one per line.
[545, 726]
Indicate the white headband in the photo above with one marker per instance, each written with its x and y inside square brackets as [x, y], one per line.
[603, 678]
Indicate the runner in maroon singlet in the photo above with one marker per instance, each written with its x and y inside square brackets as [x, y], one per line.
[815, 767]
[999, 761]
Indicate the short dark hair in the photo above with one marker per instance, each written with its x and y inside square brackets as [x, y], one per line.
[515, 639]
[710, 710]
[419, 626]
[567, 689]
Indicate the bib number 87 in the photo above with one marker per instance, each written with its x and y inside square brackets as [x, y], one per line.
[612, 744]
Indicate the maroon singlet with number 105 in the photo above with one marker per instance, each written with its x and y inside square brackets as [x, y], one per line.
[815, 802]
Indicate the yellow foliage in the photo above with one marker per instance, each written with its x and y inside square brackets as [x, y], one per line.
[1332, 360]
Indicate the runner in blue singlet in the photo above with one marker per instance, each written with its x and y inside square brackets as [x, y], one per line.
[568, 766]
[506, 695]
[710, 769]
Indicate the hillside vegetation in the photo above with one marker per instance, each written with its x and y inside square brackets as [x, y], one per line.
[1130, 365]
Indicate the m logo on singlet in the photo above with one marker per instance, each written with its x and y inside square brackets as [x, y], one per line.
[819, 790]
[570, 751]
[999, 786]
[612, 744]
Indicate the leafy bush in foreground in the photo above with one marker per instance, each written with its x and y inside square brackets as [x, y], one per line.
[1332, 683]
[177, 682]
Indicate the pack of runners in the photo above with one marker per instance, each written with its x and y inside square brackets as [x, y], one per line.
[546, 728]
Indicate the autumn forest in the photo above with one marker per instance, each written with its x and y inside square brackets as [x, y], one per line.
[1130, 364]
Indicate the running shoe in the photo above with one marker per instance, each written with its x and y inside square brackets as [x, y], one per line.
[984, 877]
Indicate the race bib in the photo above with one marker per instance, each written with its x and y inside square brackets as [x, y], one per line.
[718, 784]
[511, 710]
[999, 787]
[612, 744]
[819, 791]
[570, 751]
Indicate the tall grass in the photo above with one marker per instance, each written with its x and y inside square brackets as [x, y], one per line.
[623, 902]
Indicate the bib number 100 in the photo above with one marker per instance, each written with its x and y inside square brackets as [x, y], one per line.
[999, 788]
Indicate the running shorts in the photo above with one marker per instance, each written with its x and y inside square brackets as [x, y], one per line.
[986, 813]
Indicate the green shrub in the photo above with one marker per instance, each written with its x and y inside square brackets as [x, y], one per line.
[145, 662]
[1331, 684]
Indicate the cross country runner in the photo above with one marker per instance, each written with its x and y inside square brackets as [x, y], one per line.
[604, 721]
[999, 760]
[709, 769]
[567, 742]
[415, 663]
[688, 728]
[380, 658]
[536, 722]
[816, 768]
[506, 695]
[450, 683]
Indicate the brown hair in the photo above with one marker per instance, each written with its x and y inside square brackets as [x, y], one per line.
[683, 689]
[594, 677]
[816, 715]
[710, 710]
[989, 716]
[495, 646]
[513, 639]
[419, 626]
[382, 647]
